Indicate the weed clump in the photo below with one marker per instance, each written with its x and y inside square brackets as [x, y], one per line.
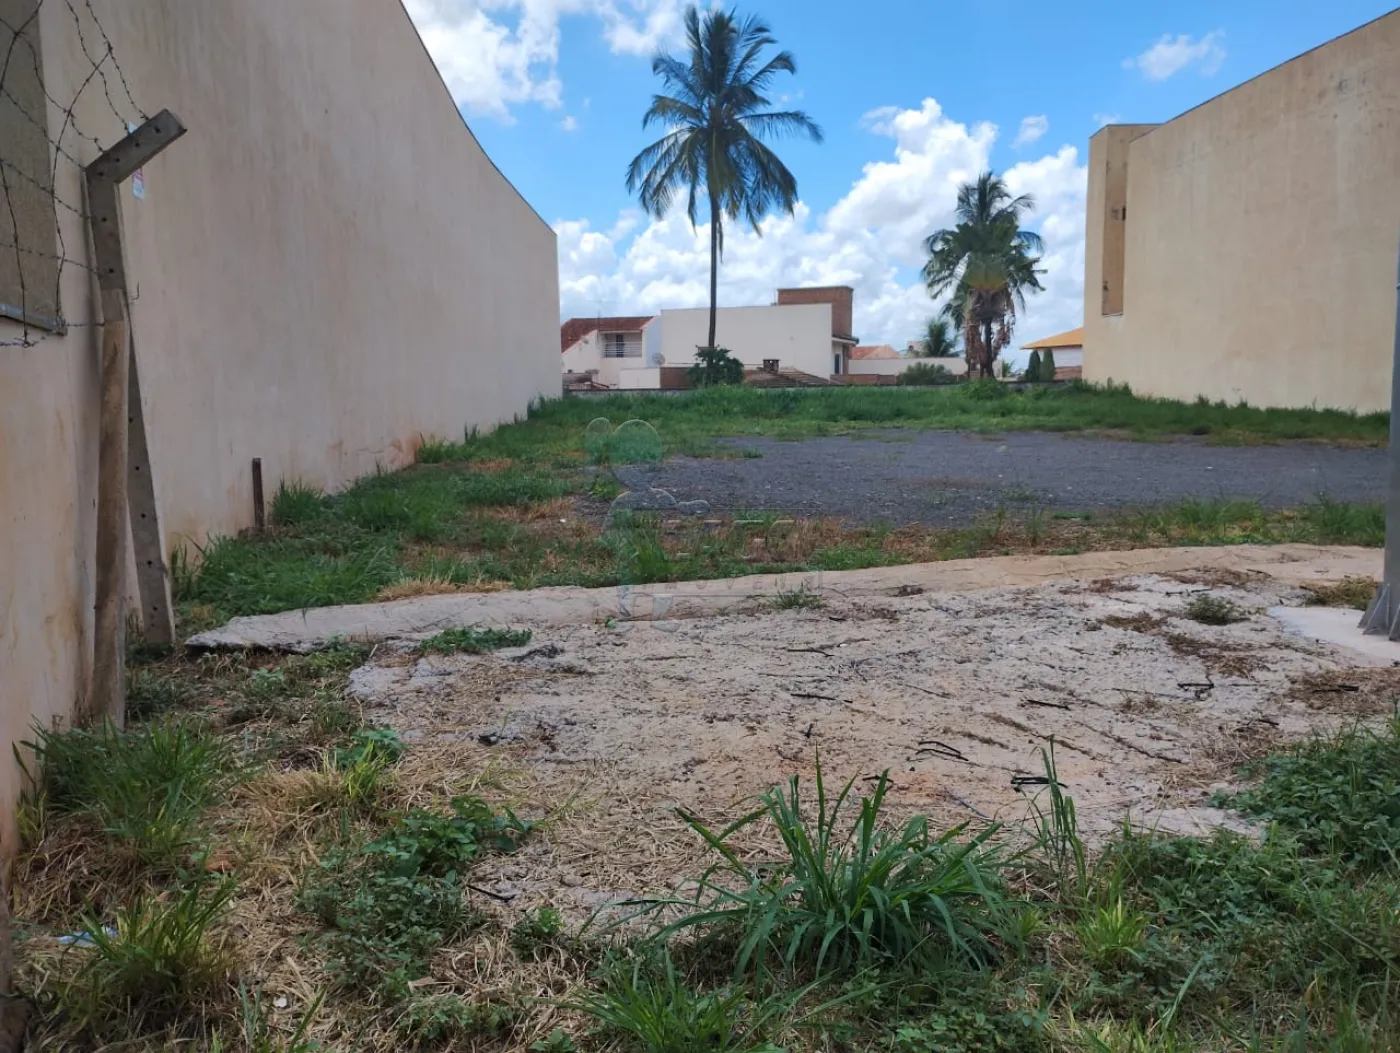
[847, 895]
[1214, 610]
[146, 788]
[388, 905]
[154, 962]
[474, 639]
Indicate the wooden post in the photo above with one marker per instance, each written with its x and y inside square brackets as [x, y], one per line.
[107, 699]
[147, 538]
[108, 696]
[259, 508]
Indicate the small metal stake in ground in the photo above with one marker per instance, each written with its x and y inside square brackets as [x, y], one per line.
[1383, 616]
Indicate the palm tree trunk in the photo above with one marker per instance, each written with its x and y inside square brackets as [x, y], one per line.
[714, 262]
[987, 354]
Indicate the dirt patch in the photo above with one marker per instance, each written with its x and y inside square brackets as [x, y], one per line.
[954, 693]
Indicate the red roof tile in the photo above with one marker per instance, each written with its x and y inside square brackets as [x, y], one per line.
[575, 329]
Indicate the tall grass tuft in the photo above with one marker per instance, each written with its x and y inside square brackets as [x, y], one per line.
[146, 788]
[154, 964]
[655, 1011]
[849, 895]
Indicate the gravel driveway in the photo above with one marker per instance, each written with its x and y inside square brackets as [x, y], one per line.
[943, 477]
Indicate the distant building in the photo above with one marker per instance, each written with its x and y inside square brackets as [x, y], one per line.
[806, 331]
[1068, 348]
[1246, 249]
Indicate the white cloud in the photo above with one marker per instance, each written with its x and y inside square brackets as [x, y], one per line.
[569, 123]
[1171, 55]
[495, 54]
[872, 238]
[1032, 130]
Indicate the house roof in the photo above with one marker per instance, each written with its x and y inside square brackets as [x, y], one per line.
[874, 351]
[575, 329]
[1071, 338]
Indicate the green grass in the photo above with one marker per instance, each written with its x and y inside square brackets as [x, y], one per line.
[849, 893]
[695, 420]
[1338, 796]
[157, 960]
[146, 789]
[798, 599]
[473, 639]
[653, 1009]
[477, 512]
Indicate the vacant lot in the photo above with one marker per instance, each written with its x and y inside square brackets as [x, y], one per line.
[516, 509]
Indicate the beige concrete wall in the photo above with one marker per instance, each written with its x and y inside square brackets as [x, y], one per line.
[799, 336]
[328, 265]
[1260, 239]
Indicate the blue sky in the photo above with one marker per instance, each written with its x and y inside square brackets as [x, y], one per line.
[913, 95]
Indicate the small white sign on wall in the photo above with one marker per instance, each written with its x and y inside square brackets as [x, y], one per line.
[138, 178]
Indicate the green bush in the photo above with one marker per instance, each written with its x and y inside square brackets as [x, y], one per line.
[715, 366]
[1033, 367]
[926, 374]
[1047, 365]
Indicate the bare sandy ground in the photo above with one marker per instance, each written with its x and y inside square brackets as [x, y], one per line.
[611, 726]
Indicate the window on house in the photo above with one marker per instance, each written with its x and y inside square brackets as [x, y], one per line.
[29, 267]
[615, 345]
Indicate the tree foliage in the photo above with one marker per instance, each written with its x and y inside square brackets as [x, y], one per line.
[940, 341]
[987, 264]
[717, 115]
[715, 365]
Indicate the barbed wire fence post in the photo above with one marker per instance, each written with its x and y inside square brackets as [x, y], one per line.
[67, 142]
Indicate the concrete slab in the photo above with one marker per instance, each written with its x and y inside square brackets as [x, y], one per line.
[306, 630]
[1338, 626]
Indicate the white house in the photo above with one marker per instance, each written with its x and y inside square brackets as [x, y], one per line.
[807, 330]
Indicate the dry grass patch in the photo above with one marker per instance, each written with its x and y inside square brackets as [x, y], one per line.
[1355, 593]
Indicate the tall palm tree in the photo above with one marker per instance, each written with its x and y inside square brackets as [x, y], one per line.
[717, 116]
[988, 265]
[940, 340]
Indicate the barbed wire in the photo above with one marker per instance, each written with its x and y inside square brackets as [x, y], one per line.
[34, 210]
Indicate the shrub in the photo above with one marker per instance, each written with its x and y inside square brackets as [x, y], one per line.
[846, 898]
[424, 842]
[926, 374]
[395, 901]
[1047, 366]
[1033, 367]
[715, 366]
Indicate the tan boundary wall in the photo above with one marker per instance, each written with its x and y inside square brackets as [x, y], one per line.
[1260, 237]
[328, 266]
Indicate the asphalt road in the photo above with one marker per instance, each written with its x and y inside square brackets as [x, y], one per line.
[949, 478]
